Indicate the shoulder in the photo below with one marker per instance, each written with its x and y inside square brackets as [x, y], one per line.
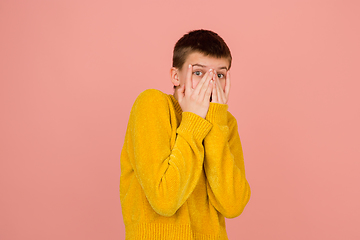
[150, 100]
[231, 120]
[151, 95]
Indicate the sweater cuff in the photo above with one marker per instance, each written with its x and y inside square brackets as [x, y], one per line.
[217, 113]
[195, 125]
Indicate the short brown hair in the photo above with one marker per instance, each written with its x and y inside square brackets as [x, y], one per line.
[203, 41]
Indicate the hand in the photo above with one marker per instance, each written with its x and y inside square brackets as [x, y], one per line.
[218, 94]
[196, 100]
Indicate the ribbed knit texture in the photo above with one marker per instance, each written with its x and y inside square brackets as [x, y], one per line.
[181, 174]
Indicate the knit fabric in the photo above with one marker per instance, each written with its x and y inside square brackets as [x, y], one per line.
[181, 174]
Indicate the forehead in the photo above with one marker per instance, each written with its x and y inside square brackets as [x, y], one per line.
[208, 61]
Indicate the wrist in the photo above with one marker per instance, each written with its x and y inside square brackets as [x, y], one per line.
[217, 113]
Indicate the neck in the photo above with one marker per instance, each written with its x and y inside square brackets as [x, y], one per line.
[175, 94]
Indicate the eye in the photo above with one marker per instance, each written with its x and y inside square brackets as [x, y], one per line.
[198, 73]
[220, 75]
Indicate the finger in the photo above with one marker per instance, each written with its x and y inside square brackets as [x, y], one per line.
[202, 81]
[188, 82]
[220, 92]
[227, 85]
[215, 88]
[214, 93]
[209, 90]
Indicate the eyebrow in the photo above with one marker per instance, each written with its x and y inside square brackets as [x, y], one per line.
[199, 65]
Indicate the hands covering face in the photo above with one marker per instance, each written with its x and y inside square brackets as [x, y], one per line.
[197, 100]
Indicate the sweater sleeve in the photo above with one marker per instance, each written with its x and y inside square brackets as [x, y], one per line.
[227, 187]
[167, 176]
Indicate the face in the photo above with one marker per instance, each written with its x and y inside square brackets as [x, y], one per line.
[201, 64]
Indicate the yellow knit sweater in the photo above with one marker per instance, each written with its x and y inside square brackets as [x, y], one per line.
[181, 174]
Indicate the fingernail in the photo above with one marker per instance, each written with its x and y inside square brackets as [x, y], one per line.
[189, 65]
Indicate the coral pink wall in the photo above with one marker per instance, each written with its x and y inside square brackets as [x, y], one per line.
[71, 70]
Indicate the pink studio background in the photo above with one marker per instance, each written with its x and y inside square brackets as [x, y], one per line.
[71, 70]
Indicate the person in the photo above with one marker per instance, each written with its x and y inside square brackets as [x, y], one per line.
[182, 166]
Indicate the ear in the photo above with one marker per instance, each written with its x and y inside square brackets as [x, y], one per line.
[174, 75]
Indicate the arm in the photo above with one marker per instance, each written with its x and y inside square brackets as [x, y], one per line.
[167, 176]
[227, 187]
